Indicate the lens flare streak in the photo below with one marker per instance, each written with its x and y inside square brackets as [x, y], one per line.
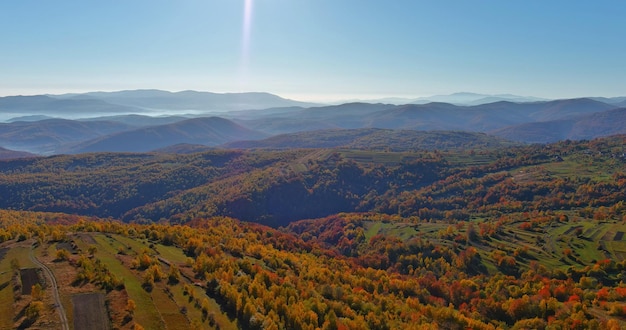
[245, 40]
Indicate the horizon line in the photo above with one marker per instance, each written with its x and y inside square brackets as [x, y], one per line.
[304, 97]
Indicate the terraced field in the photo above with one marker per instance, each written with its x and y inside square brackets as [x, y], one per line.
[161, 307]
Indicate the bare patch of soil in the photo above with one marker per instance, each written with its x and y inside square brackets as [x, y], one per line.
[3, 252]
[30, 277]
[90, 312]
[87, 238]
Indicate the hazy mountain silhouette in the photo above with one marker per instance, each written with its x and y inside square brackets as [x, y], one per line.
[139, 120]
[46, 136]
[290, 120]
[190, 100]
[582, 127]
[610, 100]
[46, 105]
[11, 154]
[29, 118]
[122, 127]
[208, 131]
[480, 118]
[465, 98]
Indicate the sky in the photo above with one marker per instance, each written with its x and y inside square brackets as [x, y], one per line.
[315, 50]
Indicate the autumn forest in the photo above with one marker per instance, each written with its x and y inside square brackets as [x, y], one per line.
[488, 237]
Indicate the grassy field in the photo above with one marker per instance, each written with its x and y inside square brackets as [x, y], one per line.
[156, 309]
[146, 312]
[404, 231]
[575, 166]
[169, 309]
[557, 245]
[19, 251]
[6, 291]
[171, 253]
[469, 159]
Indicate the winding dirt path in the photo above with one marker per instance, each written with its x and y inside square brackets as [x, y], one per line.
[55, 291]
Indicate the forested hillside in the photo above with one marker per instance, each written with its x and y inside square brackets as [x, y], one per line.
[488, 238]
[277, 187]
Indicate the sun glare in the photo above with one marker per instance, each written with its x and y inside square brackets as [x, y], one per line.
[245, 40]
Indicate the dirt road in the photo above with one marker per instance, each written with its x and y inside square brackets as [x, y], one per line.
[55, 291]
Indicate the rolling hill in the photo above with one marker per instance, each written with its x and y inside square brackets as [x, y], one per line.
[47, 136]
[480, 118]
[11, 154]
[291, 120]
[276, 187]
[210, 131]
[585, 127]
[119, 122]
[375, 139]
[183, 148]
[423, 117]
[139, 120]
[514, 237]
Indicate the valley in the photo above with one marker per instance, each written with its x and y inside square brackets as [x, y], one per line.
[312, 165]
[492, 237]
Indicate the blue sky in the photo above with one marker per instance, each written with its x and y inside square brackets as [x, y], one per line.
[316, 49]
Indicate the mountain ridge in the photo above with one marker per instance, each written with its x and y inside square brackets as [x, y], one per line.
[375, 139]
[208, 131]
[12, 154]
[191, 100]
[581, 127]
[512, 120]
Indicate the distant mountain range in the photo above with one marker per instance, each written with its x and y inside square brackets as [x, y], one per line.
[431, 116]
[153, 102]
[20, 106]
[119, 121]
[463, 98]
[152, 99]
[475, 99]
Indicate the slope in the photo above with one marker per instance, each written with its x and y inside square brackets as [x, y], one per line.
[208, 131]
[10, 154]
[47, 136]
[375, 139]
[591, 126]
[291, 120]
[480, 118]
